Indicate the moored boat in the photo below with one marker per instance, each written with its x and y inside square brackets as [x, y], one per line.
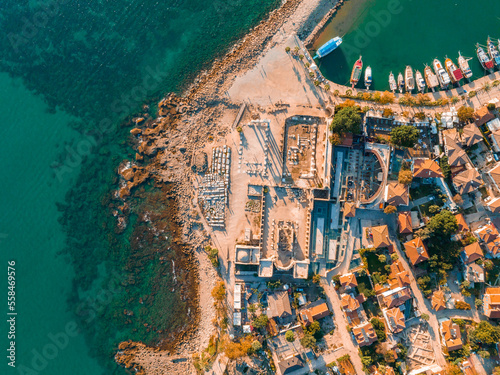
[485, 61]
[493, 52]
[356, 72]
[443, 77]
[430, 78]
[420, 81]
[368, 77]
[410, 81]
[401, 82]
[392, 82]
[328, 47]
[463, 63]
[455, 73]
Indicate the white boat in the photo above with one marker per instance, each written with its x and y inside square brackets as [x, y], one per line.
[430, 78]
[443, 77]
[368, 77]
[401, 82]
[410, 81]
[392, 83]
[463, 63]
[419, 79]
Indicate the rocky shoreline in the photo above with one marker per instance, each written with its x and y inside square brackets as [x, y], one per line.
[165, 151]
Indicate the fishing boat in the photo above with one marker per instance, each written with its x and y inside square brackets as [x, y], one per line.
[368, 77]
[430, 78]
[493, 52]
[443, 77]
[392, 82]
[410, 81]
[356, 72]
[485, 61]
[328, 47]
[401, 82]
[419, 79]
[463, 63]
[455, 73]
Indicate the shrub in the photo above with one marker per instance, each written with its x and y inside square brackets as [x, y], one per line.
[390, 210]
[461, 305]
[213, 255]
[290, 336]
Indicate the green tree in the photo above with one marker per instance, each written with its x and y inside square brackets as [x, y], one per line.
[290, 336]
[405, 177]
[256, 346]
[316, 278]
[287, 49]
[485, 333]
[443, 224]
[308, 341]
[425, 316]
[260, 321]
[390, 210]
[405, 136]
[327, 87]
[433, 209]
[465, 114]
[394, 257]
[347, 120]
[491, 106]
[382, 258]
[379, 327]
[445, 166]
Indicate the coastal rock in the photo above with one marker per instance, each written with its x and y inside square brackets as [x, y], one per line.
[136, 131]
[138, 156]
[128, 174]
[139, 120]
[124, 192]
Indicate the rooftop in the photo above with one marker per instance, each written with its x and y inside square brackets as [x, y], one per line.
[395, 320]
[397, 194]
[472, 252]
[491, 302]
[404, 222]
[348, 280]
[438, 302]
[380, 236]
[365, 334]
[482, 116]
[451, 335]
[426, 168]
[279, 305]
[416, 251]
[467, 181]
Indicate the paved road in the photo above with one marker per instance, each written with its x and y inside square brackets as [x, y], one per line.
[333, 301]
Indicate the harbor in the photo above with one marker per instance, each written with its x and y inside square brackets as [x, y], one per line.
[390, 46]
[439, 77]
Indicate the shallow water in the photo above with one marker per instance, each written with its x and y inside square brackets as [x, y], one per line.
[70, 71]
[390, 34]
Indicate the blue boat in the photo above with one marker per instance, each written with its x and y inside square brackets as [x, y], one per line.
[328, 47]
[493, 52]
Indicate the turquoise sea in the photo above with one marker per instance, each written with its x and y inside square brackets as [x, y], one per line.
[70, 72]
[391, 34]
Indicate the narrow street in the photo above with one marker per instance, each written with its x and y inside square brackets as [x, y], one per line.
[424, 308]
[333, 301]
